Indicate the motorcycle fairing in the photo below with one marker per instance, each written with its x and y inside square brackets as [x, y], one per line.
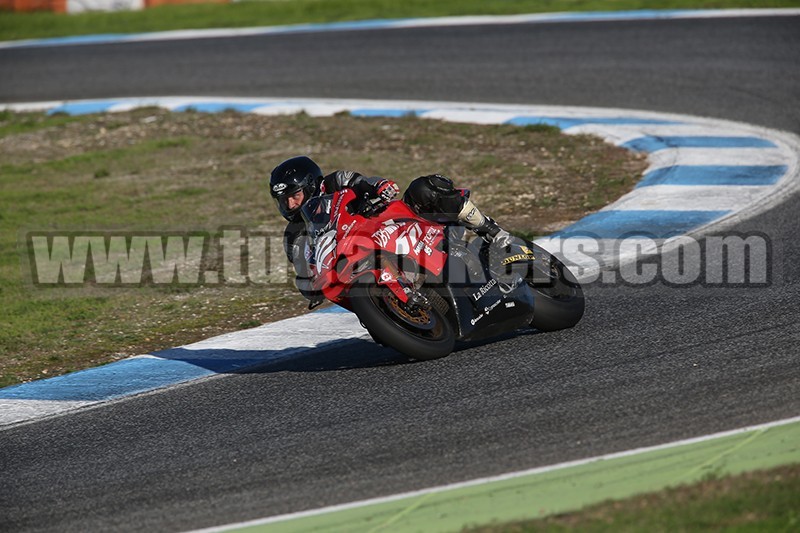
[484, 307]
[349, 245]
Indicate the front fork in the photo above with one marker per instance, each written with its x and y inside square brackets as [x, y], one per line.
[401, 287]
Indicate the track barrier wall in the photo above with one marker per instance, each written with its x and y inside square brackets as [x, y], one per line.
[80, 6]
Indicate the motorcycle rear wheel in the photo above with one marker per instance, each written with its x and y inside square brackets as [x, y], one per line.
[559, 304]
[423, 335]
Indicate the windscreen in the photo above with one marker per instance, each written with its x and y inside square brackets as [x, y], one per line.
[317, 214]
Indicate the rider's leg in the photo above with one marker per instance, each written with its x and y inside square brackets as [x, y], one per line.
[471, 217]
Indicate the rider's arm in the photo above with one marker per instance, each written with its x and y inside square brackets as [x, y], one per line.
[341, 179]
[374, 187]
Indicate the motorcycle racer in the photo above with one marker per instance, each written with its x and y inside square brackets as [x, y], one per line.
[434, 197]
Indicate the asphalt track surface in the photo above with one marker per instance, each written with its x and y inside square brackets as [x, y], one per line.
[647, 365]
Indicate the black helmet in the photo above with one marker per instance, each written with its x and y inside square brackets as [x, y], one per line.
[296, 174]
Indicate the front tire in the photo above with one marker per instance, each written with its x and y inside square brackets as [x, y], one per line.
[423, 334]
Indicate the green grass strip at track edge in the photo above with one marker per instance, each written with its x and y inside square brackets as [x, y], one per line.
[560, 489]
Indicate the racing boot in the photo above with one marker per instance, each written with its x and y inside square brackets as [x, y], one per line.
[486, 228]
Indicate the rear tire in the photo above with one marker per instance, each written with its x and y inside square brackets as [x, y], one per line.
[558, 304]
[391, 325]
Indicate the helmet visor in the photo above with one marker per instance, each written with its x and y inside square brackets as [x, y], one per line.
[289, 204]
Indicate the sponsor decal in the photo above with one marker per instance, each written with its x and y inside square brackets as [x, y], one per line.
[477, 295]
[509, 305]
[348, 228]
[488, 308]
[422, 247]
[337, 207]
[475, 320]
[517, 258]
[279, 187]
[430, 235]
[386, 276]
[384, 235]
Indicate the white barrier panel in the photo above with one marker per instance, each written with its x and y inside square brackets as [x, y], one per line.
[80, 6]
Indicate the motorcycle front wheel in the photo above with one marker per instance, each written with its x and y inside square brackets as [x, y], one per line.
[418, 333]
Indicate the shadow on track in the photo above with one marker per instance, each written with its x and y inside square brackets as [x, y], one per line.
[336, 355]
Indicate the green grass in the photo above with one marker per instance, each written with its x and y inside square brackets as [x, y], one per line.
[57, 174]
[753, 502]
[31, 122]
[263, 13]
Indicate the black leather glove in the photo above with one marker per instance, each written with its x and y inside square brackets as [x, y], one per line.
[376, 195]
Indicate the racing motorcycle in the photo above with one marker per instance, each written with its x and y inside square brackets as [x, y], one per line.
[419, 286]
